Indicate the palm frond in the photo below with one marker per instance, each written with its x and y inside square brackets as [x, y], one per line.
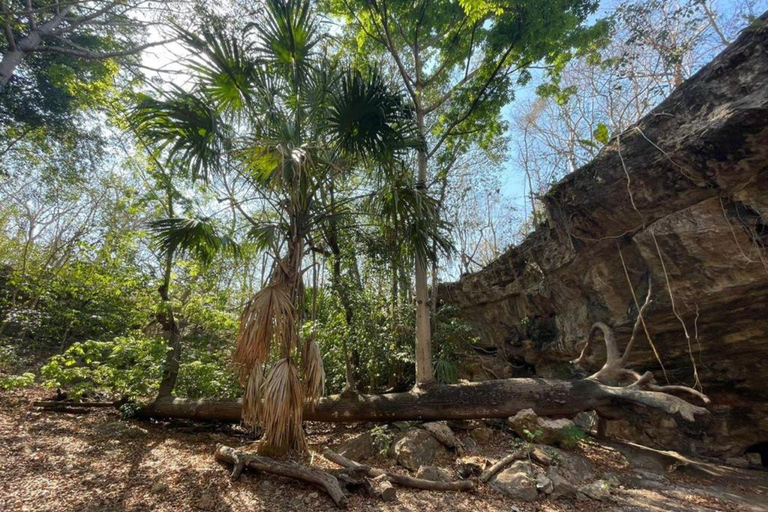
[184, 125]
[283, 411]
[269, 316]
[228, 73]
[314, 371]
[367, 117]
[287, 35]
[252, 399]
[196, 236]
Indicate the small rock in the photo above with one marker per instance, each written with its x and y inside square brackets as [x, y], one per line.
[159, 487]
[599, 490]
[516, 482]
[206, 502]
[417, 448]
[574, 467]
[482, 435]
[467, 467]
[470, 445]
[544, 484]
[755, 460]
[433, 474]
[313, 495]
[738, 462]
[464, 424]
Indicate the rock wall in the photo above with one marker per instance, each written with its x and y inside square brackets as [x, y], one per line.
[682, 198]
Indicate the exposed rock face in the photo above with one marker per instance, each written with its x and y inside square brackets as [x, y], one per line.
[417, 448]
[682, 199]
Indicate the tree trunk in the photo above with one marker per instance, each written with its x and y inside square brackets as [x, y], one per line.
[173, 335]
[423, 331]
[28, 44]
[490, 399]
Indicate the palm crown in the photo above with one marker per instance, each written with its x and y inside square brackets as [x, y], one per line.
[272, 107]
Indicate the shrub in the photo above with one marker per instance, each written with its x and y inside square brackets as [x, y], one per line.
[128, 366]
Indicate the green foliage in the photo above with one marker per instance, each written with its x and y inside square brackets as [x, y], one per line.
[601, 134]
[572, 436]
[127, 366]
[17, 381]
[383, 440]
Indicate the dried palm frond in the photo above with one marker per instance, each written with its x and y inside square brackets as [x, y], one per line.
[314, 371]
[252, 407]
[282, 412]
[268, 316]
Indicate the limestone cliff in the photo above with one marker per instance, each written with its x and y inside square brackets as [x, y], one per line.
[682, 197]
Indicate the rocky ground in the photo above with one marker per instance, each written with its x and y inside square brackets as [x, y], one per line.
[96, 462]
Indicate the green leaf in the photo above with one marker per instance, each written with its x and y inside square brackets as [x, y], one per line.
[601, 134]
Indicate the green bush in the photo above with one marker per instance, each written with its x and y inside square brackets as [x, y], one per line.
[128, 366]
[17, 381]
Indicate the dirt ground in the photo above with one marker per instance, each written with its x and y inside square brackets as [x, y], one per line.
[97, 463]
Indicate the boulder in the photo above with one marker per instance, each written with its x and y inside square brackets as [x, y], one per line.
[561, 487]
[443, 433]
[482, 435]
[738, 462]
[544, 484]
[434, 474]
[599, 490]
[517, 482]
[359, 448]
[755, 460]
[416, 448]
[530, 427]
[572, 466]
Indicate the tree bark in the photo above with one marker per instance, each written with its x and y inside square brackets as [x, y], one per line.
[240, 459]
[28, 44]
[423, 328]
[490, 399]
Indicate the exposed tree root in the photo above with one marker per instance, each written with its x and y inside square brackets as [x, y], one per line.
[322, 479]
[396, 478]
[628, 384]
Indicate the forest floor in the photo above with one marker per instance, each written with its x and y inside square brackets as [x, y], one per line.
[93, 462]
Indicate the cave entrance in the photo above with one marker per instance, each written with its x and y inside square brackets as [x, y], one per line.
[762, 449]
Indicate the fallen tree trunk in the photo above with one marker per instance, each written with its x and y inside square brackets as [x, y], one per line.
[489, 399]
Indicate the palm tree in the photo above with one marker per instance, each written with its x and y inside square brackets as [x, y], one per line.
[272, 108]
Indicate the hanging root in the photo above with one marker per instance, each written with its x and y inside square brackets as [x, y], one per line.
[630, 385]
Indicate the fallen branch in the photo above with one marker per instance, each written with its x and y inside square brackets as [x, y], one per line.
[241, 460]
[501, 464]
[396, 478]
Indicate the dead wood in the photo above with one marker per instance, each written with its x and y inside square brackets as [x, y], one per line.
[322, 479]
[638, 388]
[396, 478]
[502, 463]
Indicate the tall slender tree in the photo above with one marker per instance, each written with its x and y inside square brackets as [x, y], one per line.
[458, 62]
